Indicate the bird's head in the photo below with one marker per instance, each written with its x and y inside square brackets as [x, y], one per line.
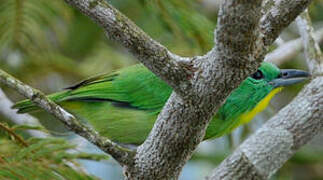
[270, 77]
[254, 94]
[266, 82]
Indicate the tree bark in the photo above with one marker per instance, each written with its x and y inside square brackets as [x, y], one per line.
[312, 50]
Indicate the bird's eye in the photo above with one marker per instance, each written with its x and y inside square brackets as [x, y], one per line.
[257, 75]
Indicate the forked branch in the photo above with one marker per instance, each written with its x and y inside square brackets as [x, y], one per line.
[173, 69]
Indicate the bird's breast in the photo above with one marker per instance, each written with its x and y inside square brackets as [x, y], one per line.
[248, 116]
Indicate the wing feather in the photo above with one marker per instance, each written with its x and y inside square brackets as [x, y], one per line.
[133, 87]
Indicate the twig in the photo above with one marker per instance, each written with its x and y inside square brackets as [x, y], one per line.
[312, 50]
[122, 155]
[20, 119]
[2, 161]
[26, 119]
[12, 133]
[290, 49]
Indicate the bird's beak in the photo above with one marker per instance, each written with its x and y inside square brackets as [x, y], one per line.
[288, 77]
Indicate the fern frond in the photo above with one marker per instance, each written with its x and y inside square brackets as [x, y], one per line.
[11, 133]
[41, 159]
[24, 23]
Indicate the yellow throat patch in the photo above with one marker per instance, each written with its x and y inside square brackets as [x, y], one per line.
[246, 117]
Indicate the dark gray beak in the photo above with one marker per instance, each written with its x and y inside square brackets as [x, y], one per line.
[289, 76]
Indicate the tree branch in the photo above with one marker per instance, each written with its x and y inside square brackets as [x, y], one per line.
[26, 119]
[173, 69]
[122, 155]
[262, 154]
[312, 50]
[278, 15]
[290, 49]
[181, 125]
[20, 119]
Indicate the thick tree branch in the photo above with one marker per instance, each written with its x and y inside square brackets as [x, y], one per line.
[122, 155]
[312, 50]
[262, 154]
[181, 125]
[236, 39]
[290, 49]
[175, 70]
[278, 15]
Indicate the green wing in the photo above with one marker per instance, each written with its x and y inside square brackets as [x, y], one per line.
[134, 86]
[122, 106]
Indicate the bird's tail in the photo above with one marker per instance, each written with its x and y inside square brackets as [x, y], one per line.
[27, 106]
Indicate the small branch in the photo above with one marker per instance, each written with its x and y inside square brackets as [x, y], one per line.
[278, 15]
[312, 50]
[26, 119]
[263, 153]
[16, 136]
[122, 155]
[290, 49]
[175, 70]
[20, 119]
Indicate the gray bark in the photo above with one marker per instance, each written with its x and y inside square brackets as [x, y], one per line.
[312, 50]
[278, 15]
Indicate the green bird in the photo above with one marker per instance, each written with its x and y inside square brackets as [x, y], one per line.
[124, 105]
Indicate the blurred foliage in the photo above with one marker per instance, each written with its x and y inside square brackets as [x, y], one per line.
[184, 22]
[34, 158]
[49, 45]
[39, 39]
